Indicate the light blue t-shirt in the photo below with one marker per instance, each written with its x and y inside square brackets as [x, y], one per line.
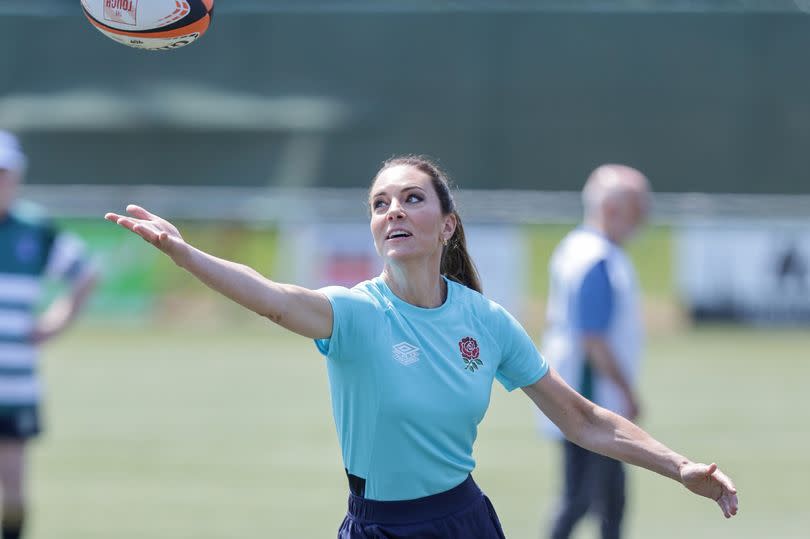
[410, 385]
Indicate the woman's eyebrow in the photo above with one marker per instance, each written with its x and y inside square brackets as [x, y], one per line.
[407, 188]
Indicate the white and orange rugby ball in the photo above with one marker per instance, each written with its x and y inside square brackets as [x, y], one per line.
[157, 25]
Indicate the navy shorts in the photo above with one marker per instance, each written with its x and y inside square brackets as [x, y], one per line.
[463, 512]
[19, 423]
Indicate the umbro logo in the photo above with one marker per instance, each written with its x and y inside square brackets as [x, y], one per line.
[406, 353]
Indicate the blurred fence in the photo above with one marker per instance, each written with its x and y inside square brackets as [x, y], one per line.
[730, 257]
[269, 206]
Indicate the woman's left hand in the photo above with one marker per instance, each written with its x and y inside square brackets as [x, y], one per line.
[707, 480]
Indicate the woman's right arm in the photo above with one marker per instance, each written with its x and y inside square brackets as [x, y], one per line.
[301, 310]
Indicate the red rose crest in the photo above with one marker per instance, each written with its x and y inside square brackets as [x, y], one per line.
[469, 353]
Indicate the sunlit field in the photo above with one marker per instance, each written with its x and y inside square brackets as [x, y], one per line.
[225, 431]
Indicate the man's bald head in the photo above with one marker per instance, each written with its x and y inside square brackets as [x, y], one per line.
[616, 200]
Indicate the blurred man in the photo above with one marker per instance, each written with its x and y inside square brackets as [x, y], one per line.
[31, 251]
[594, 334]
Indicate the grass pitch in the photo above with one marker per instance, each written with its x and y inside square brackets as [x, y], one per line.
[226, 431]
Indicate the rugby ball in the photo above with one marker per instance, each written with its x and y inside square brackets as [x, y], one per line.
[156, 25]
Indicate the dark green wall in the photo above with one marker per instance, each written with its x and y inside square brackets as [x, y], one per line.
[717, 102]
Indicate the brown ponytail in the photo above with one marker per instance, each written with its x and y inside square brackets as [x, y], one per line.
[456, 261]
[456, 264]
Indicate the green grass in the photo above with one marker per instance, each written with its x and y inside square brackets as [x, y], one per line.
[223, 431]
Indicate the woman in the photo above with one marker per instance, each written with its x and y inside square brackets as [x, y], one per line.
[411, 357]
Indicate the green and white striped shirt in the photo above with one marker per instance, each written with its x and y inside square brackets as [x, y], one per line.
[32, 251]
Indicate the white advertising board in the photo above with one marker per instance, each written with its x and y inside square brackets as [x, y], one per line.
[757, 271]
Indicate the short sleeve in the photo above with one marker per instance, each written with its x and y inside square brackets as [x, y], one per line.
[594, 307]
[67, 259]
[352, 318]
[521, 363]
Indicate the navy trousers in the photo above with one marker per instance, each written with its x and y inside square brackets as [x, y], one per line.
[463, 512]
[592, 483]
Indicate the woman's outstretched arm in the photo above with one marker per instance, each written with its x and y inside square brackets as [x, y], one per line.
[601, 431]
[301, 310]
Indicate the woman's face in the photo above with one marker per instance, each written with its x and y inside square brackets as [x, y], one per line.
[406, 215]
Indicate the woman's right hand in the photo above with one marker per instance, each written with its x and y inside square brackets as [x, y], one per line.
[152, 228]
